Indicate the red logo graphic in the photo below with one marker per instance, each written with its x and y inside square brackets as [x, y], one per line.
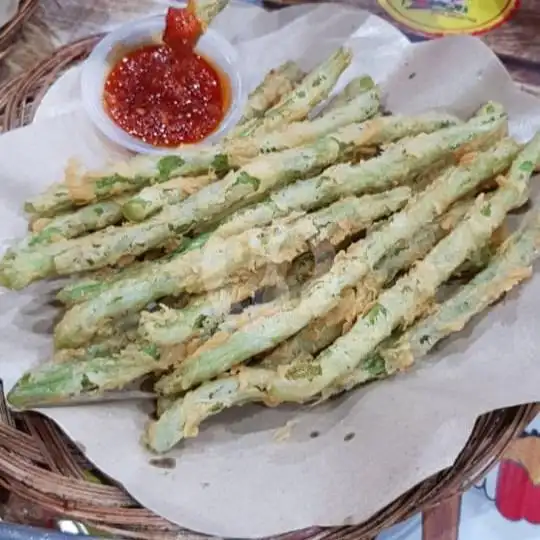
[517, 492]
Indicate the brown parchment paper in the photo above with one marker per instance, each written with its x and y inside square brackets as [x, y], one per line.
[236, 479]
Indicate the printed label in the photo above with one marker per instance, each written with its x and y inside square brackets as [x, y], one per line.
[446, 17]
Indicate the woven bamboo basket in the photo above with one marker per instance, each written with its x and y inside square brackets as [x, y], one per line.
[40, 465]
[9, 32]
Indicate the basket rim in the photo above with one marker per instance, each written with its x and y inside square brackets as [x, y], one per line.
[9, 31]
[39, 464]
[21, 96]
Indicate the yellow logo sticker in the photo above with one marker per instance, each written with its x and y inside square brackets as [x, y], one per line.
[445, 17]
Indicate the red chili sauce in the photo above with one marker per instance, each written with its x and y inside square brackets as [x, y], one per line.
[167, 95]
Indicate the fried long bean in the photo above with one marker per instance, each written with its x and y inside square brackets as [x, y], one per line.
[152, 198]
[274, 86]
[85, 376]
[208, 10]
[87, 219]
[297, 104]
[356, 86]
[89, 287]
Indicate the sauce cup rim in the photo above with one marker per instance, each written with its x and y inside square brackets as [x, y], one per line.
[96, 67]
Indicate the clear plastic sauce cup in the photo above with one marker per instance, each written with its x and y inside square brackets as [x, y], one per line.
[97, 67]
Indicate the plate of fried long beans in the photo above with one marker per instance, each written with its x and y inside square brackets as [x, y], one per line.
[324, 244]
[172, 252]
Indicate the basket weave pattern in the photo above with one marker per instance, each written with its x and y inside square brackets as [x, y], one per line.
[8, 32]
[39, 464]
